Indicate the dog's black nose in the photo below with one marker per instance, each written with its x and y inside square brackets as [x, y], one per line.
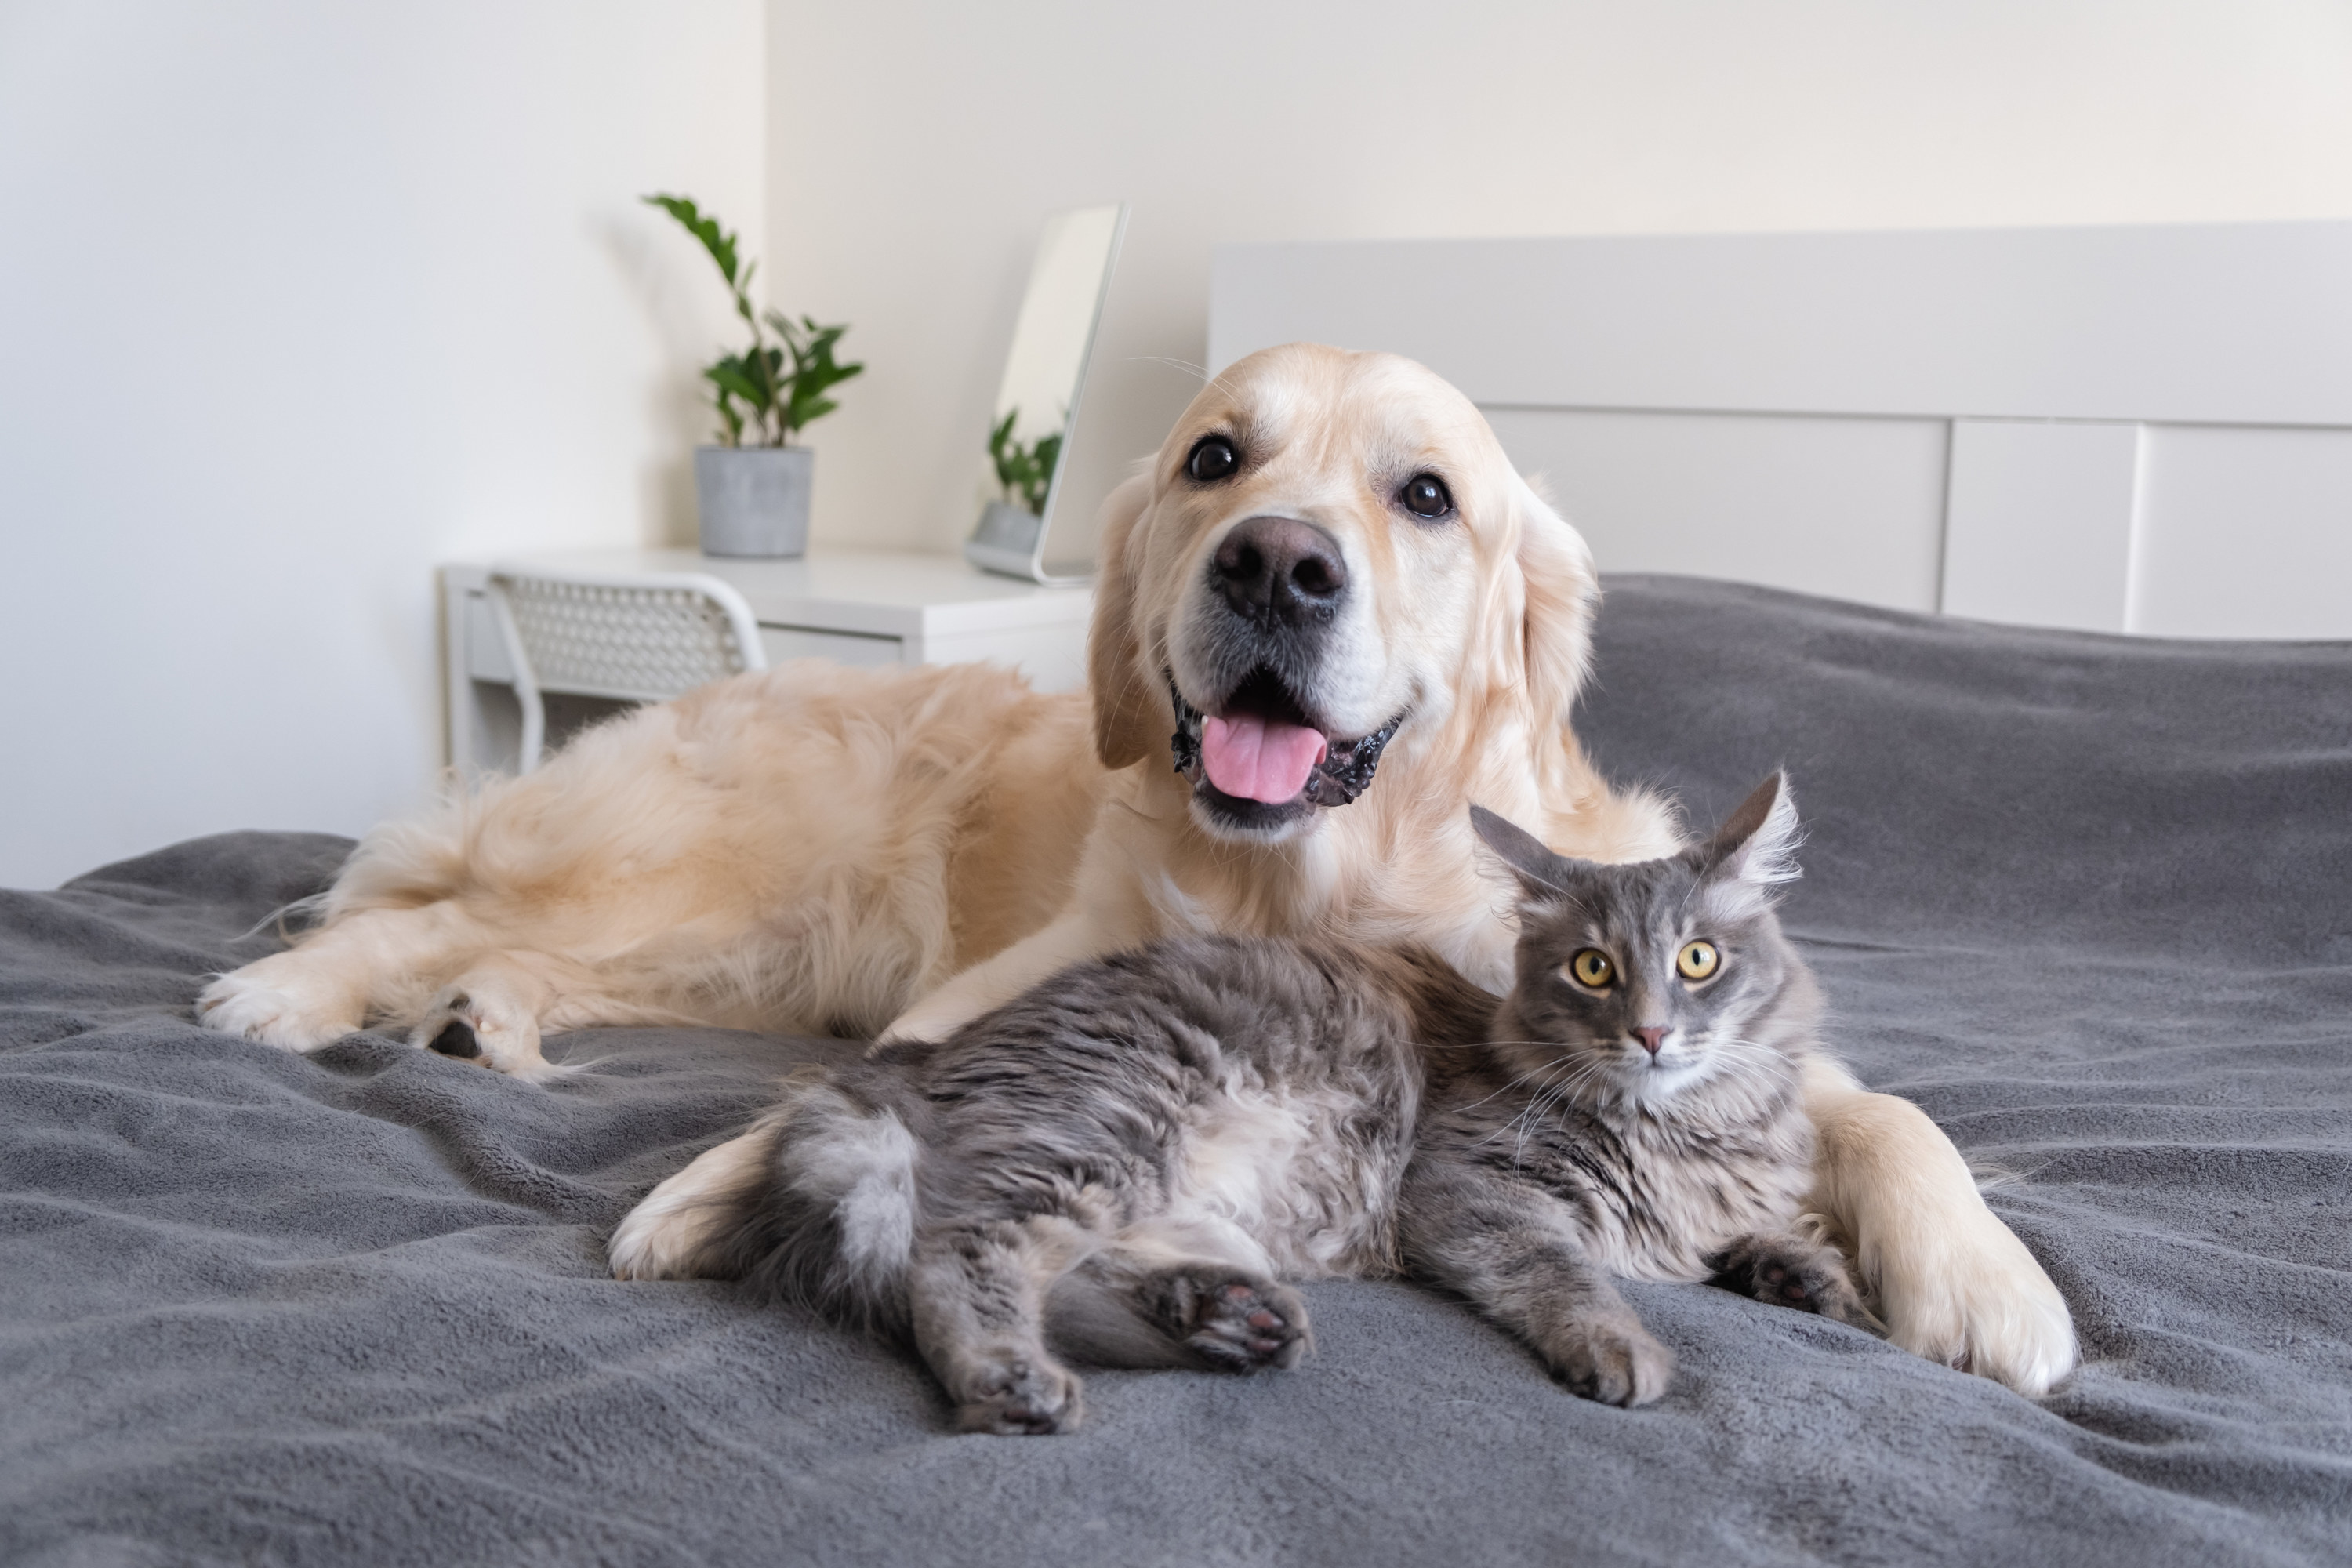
[1280, 569]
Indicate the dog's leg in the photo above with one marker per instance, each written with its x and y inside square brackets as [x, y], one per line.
[977, 1295]
[337, 978]
[1951, 1282]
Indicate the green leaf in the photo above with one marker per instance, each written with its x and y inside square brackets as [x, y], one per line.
[1024, 473]
[731, 376]
[715, 240]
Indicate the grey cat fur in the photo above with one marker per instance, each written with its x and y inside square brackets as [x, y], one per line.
[1568, 1149]
[1123, 1165]
[1124, 1162]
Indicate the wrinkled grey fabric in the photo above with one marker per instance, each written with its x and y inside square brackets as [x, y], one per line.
[2088, 900]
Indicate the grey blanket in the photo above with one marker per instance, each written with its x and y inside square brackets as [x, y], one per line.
[2089, 901]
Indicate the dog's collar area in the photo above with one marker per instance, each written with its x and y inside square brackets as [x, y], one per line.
[1345, 772]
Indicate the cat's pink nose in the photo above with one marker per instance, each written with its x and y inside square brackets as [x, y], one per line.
[1653, 1037]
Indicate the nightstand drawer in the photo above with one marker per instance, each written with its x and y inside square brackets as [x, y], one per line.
[843, 647]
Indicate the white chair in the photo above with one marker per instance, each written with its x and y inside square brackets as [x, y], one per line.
[633, 638]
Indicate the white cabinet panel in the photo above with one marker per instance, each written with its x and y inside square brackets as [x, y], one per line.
[785, 643]
[1849, 508]
[2244, 533]
[2039, 528]
[1049, 657]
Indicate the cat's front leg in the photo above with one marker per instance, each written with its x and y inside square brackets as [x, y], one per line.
[1789, 1268]
[976, 1297]
[1513, 1250]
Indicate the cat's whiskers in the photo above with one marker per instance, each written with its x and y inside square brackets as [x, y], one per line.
[1529, 1119]
[1541, 1090]
[1544, 1071]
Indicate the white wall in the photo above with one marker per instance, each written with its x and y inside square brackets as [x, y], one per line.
[295, 301]
[917, 144]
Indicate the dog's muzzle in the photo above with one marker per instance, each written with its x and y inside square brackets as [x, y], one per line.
[1345, 772]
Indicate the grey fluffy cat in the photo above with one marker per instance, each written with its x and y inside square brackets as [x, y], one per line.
[1124, 1165]
[1636, 1109]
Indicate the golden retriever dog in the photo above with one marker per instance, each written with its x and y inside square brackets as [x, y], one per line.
[1330, 616]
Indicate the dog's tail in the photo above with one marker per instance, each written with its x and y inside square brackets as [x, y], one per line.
[816, 1203]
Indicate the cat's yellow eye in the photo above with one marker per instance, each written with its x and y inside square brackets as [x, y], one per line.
[1697, 959]
[1591, 967]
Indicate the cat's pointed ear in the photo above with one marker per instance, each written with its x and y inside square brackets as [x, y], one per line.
[1542, 873]
[1757, 842]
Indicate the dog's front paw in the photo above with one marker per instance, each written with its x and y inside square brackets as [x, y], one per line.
[268, 1001]
[1972, 1297]
[1613, 1359]
[1020, 1396]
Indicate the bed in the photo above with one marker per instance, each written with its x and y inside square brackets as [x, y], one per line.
[2086, 898]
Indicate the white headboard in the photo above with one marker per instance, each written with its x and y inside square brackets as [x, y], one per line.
[2144, 429]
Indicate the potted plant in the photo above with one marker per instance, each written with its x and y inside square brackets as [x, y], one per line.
[751, 486]
[1024, 473]
[1008, 535]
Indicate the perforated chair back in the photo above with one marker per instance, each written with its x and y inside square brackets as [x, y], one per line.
[635, 639]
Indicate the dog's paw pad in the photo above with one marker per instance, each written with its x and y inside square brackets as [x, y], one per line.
[457, 1039]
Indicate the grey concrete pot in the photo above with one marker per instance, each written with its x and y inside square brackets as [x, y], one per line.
[753, 500]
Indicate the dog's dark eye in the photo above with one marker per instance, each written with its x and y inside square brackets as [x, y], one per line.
[1425, 495]
[1213, 459]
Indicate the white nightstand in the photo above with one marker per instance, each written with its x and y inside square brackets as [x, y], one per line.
[856, 606]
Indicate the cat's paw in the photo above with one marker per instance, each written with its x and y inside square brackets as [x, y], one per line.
[1020, 1396]
[1612, 1359]
[1244, 1325]
[1229, 1322]
[1790, 1272]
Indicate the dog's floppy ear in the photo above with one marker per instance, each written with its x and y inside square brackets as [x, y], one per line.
[1562, 591]
[1123, 697]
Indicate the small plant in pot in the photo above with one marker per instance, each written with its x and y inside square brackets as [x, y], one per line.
[1024, 473]
[751, 489]
[1010, 525]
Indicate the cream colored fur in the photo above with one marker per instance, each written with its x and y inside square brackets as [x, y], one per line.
[811, 847]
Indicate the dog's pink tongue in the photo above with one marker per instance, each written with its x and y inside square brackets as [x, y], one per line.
[1259, 759]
